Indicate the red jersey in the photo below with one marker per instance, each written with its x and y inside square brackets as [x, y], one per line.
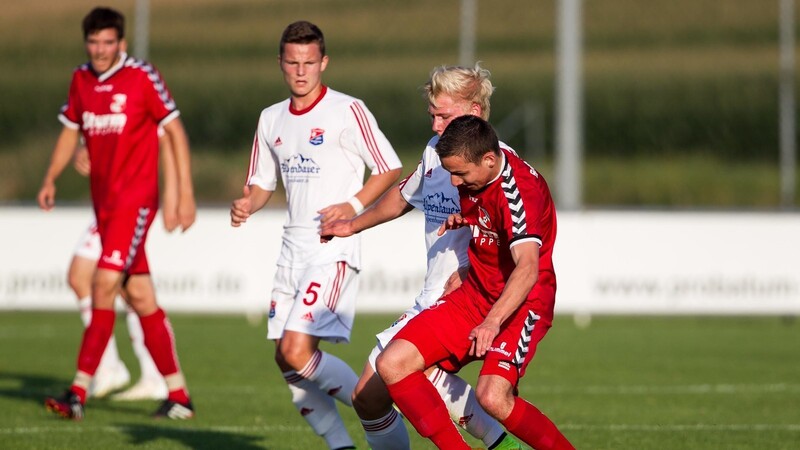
[513, 208]
[118, 113]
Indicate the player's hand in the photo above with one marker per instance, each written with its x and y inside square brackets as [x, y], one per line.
[240, 208]
[455, 279]
[338, 228]
[47, 196]
[187, 212]
[171, 220]
[453, 222]
[339, 211]
[482, 337]
[81, 162]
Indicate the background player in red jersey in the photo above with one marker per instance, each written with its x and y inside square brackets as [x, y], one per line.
[112, 374]
[503, 308]
[117, 103]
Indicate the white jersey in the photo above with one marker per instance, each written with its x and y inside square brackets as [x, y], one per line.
[429, 190]
[320, 154]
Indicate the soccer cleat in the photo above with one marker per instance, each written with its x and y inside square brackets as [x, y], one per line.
[508, 443]
[144, 389]
[68, 406]
[106, 381]
[174, 410]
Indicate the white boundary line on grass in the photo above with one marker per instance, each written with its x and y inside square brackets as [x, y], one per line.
[792, 427]
[698, 389]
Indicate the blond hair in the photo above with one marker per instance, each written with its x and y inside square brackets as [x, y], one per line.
[471, 84]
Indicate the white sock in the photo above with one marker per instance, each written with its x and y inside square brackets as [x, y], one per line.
[319, 410]
[464, 409]
[387, 433]
[146, 363]
[110, 358]
[332, 375]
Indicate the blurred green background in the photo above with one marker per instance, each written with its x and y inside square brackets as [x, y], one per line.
[681, 97]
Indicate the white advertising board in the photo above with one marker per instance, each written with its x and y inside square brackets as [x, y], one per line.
[606, 262]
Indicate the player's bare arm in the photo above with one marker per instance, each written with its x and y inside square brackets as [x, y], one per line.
[169, 191]
[389, 207]
[187, 208]
[80, 161]
[253, 199]
[60, 158]
[516, 290]
[376, 185]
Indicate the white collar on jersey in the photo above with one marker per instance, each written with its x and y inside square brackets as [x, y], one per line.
[114, 69]
[502, 166]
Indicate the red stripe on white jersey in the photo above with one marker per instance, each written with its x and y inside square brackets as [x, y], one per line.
[403, 182]
[254, 152]
[369, 137]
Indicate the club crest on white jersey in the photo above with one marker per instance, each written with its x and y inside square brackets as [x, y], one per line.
[317, 136]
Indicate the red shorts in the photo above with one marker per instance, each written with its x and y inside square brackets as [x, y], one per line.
[122, 235]
[441, 334]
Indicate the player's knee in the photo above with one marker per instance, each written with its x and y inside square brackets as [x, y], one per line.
[497, 402]
[370, 405]
[292, 356]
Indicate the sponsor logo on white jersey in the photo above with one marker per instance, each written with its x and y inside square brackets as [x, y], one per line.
[298, 168]
[438, 206]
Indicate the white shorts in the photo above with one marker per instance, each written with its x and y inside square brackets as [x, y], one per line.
[386, 335]
[318, 300]
[89, 245]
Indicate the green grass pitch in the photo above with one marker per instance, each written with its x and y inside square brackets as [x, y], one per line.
[620, 383]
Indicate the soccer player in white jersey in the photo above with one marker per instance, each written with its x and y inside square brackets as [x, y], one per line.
[451, 91]
[317, 142]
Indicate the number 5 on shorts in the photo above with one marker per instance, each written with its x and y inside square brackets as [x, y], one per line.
[312, 289]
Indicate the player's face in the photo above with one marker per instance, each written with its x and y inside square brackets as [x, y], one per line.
[471, 176]
[103, 48]
[445, 108]
[302, 66]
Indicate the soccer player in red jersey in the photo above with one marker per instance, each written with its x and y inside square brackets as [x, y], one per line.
[503, 308]
[116, 103]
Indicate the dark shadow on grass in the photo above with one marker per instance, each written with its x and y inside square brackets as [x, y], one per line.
[32, 387]
[190, 437]
[35, 388]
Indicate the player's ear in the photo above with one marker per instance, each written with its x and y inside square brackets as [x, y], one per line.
[489, 159]
[475, 109]
[123, 45]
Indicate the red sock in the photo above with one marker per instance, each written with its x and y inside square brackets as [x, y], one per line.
[529, 424]
[160, 341]
[95, 340]
[423, 407]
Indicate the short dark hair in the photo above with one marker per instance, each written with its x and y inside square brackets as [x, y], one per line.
[469, 137]
[302, 32]
[102, 18]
